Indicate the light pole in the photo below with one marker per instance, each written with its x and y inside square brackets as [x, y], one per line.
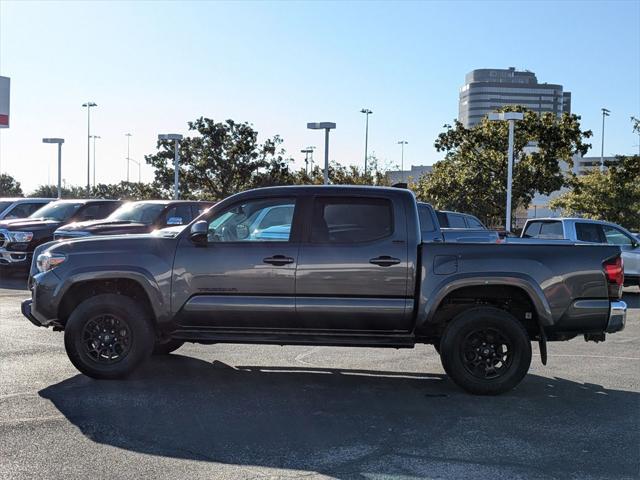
[402, 143]
[137, 163]
[176, 159]
[636, 128]
[58, 141]
[88, 106]
[128, 135]
[511, 117]
[326, 126]
[306, 152]
[605, 113]
[366, 112]
[94, 158]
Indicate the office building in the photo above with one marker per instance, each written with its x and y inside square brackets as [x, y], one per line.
[486, 90]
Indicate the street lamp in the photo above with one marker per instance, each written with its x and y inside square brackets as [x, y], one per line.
[58, 141]
[128, 135]
[176, 158]
[137, 163]
[306, 152]
[511, 117]
[94, 158]
[366, 112]
[402, 143]
[605, 113]
[88, 106]
[326, 126]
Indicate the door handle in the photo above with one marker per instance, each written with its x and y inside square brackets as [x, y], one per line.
[278, 260]
[385, 261]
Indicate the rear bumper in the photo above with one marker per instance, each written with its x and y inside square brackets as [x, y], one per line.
[617, 317]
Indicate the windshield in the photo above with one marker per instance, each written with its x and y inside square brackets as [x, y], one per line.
[58, 211]
[146, 213]
[4, 205]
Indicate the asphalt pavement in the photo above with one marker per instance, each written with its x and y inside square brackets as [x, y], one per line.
[245, 411]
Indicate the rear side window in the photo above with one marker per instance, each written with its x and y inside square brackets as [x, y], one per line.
[590, 232]
[351, 220]
[474, 223]
[442, 219]
[426, 219]
[551, 230]
[456, 221]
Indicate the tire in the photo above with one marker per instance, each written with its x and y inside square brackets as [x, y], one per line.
[165, 347]
[505, 356]
[123, 325]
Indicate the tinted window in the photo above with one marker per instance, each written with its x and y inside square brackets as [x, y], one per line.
[532, 230]
[442, 219]
[178, 214]
[58, 211]
[96, 211]
[456, 221]
[4, 205]
[616, 237]
[351, 220]
[260, 220]
[426, 219]
[552, 230]
[23, 210]
[590, 232]
[474, 223]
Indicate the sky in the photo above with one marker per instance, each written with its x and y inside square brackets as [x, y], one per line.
[153, 66]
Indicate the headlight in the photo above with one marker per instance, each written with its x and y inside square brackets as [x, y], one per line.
[20, 237]
[46, 261]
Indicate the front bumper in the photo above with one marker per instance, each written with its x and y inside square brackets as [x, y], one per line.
[41, 308]
[617, 317]
[14, 259]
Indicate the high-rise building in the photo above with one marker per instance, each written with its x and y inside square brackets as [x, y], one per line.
[488, 89]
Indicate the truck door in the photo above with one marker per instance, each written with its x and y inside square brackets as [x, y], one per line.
[245, 276]
[353, 265]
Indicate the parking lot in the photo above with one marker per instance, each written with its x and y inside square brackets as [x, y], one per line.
[241, 411]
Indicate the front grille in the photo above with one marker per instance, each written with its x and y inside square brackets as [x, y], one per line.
[4, 238]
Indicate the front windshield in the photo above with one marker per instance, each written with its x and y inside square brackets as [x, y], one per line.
[146, 213]
[58, 211]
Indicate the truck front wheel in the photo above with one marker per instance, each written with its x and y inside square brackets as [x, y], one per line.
[108, 336]
[486, 351]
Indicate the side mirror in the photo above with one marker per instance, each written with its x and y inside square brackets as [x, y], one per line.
[174, 221]
[199, 232]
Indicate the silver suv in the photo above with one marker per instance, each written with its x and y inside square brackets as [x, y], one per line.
[11, 208]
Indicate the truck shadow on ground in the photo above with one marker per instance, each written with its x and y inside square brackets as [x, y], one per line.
[356, 423]
[13, 280]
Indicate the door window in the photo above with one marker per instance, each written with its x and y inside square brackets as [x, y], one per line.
[23, 210]
[456, 221]
[616, 237]
[351, 220]
[551, 230]
[474, 223]
[258, 220]
[590, 232]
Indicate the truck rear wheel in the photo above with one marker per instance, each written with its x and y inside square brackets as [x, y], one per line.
[486, 351]
[108, 336]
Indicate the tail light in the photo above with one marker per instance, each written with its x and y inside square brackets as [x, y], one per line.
[614, 271]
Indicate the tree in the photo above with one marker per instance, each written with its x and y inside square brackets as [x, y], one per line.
[473, 175]
[222, 159]
[51, 191]
[9, 186]
[128, 191]
[612, 195]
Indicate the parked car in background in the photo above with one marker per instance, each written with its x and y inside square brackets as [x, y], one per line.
[433, 231]
[20, 237]
[349, 267]
[448, 219]
[136, 217]
[11, 208]
[590, 231]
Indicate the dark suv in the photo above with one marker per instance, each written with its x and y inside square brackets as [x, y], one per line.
[19, 237]
[137, 217]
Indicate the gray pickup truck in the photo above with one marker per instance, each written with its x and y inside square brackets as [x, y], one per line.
[323, 265]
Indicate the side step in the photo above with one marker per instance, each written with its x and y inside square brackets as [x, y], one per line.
[295, 337]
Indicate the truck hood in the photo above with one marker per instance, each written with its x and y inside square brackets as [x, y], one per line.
[30, 224]
[103, 227]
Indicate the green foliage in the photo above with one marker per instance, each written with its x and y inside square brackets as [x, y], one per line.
[473, 175]
[9, 186]
[128, 191]
[51, 191]
[612, 195]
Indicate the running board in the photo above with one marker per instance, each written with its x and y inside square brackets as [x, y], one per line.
[271, 337]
